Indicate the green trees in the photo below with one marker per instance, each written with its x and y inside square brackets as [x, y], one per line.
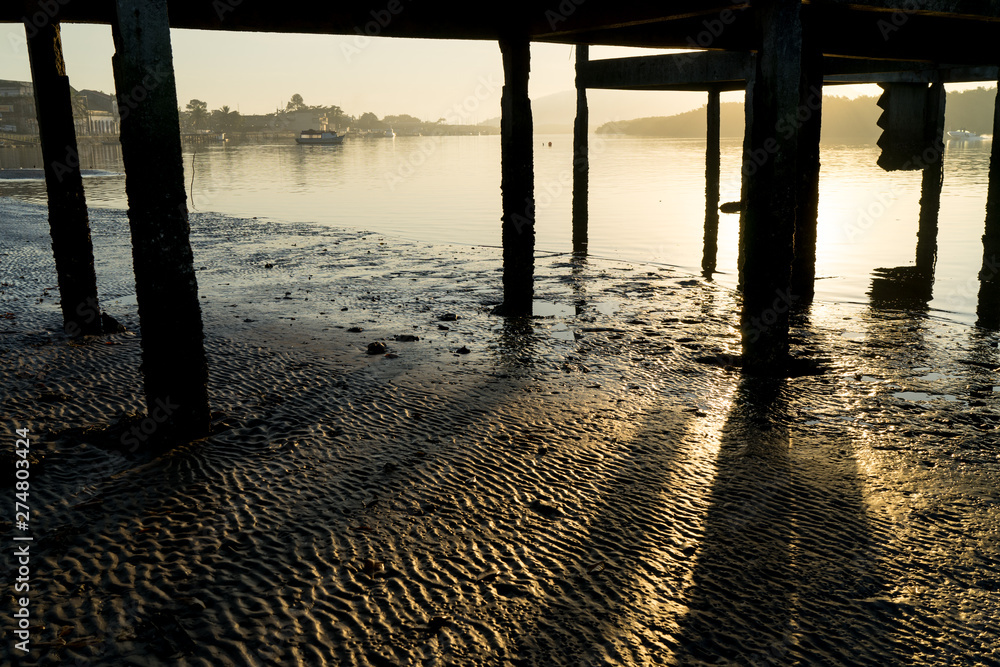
[369, 121]
[226, 120]
[197, 115]
[402, 119]
[336, 116]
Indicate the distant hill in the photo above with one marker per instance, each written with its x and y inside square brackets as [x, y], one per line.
[971, 110]
[843, 118]
[553, 114]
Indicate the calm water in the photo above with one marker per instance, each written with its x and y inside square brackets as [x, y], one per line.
[647, 200]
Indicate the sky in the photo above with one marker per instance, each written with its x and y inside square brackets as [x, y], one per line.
[259, 72]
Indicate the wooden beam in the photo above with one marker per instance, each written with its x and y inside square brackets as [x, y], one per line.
[988, 308]
[977, 9]
[772, 190]
[543, 19]
[931, 182]
[68, 221]
[703, 69]
[809, 120]
[173, 355]
[935, 31]
[747, 166]
[517, 180]
[859, 32]
[581, 157]
[920, 74]
[721, 70]
[713, 160]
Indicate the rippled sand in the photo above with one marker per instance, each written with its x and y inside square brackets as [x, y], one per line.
[591, 487]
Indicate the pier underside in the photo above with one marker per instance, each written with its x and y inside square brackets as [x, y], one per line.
[929, 31]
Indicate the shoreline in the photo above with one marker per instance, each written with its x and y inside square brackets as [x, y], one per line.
[578, 485]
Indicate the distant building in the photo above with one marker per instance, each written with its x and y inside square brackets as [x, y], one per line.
[17, 107]
[258, 122]
[94, 113]
[297, 121]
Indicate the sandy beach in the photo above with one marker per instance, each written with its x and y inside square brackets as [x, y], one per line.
[594, 486]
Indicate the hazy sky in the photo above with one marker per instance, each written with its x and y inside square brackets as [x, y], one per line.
[258, 72]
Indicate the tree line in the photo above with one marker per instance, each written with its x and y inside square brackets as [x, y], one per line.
[848, 118]
[196, 117]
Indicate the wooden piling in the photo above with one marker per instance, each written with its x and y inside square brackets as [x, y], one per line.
[772, 189]
[517, 180]
[713, 159]
[69, 224]
[581, 157]
[807, 209]
[747, 163]
[931, 182]
[174, 365]
[988, 307]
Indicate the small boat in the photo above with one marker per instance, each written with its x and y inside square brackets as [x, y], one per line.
[318, 137]
[964, 135]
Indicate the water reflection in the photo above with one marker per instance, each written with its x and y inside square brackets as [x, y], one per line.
[517, 344]
[902, 288]
[988, 307]
[646, 202]
[105, 156]
[912, 287]
[988, 310]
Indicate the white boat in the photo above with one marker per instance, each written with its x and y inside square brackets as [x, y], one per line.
[318, 137]
[964, 135]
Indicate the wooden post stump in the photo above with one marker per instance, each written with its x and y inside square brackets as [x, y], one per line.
[931, 182]
[581, 158]
[173, 355]
[988, 308]
[68, 220]
[517, 180]
[772, 189]
[810, 120]
[713, 157]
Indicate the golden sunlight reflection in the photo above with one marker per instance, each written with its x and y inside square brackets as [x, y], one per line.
[686, 484]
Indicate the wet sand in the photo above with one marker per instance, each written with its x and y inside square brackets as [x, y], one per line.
[584, 488]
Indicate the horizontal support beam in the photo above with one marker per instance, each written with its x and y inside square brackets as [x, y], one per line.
[539, 19]
[944, 74]
[973, 9]
[722, 70]
[676, 69]
[957, 31]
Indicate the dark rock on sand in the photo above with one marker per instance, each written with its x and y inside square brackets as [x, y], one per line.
[111, 325]
[546, 509]
[376, 348]
[406, 338]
